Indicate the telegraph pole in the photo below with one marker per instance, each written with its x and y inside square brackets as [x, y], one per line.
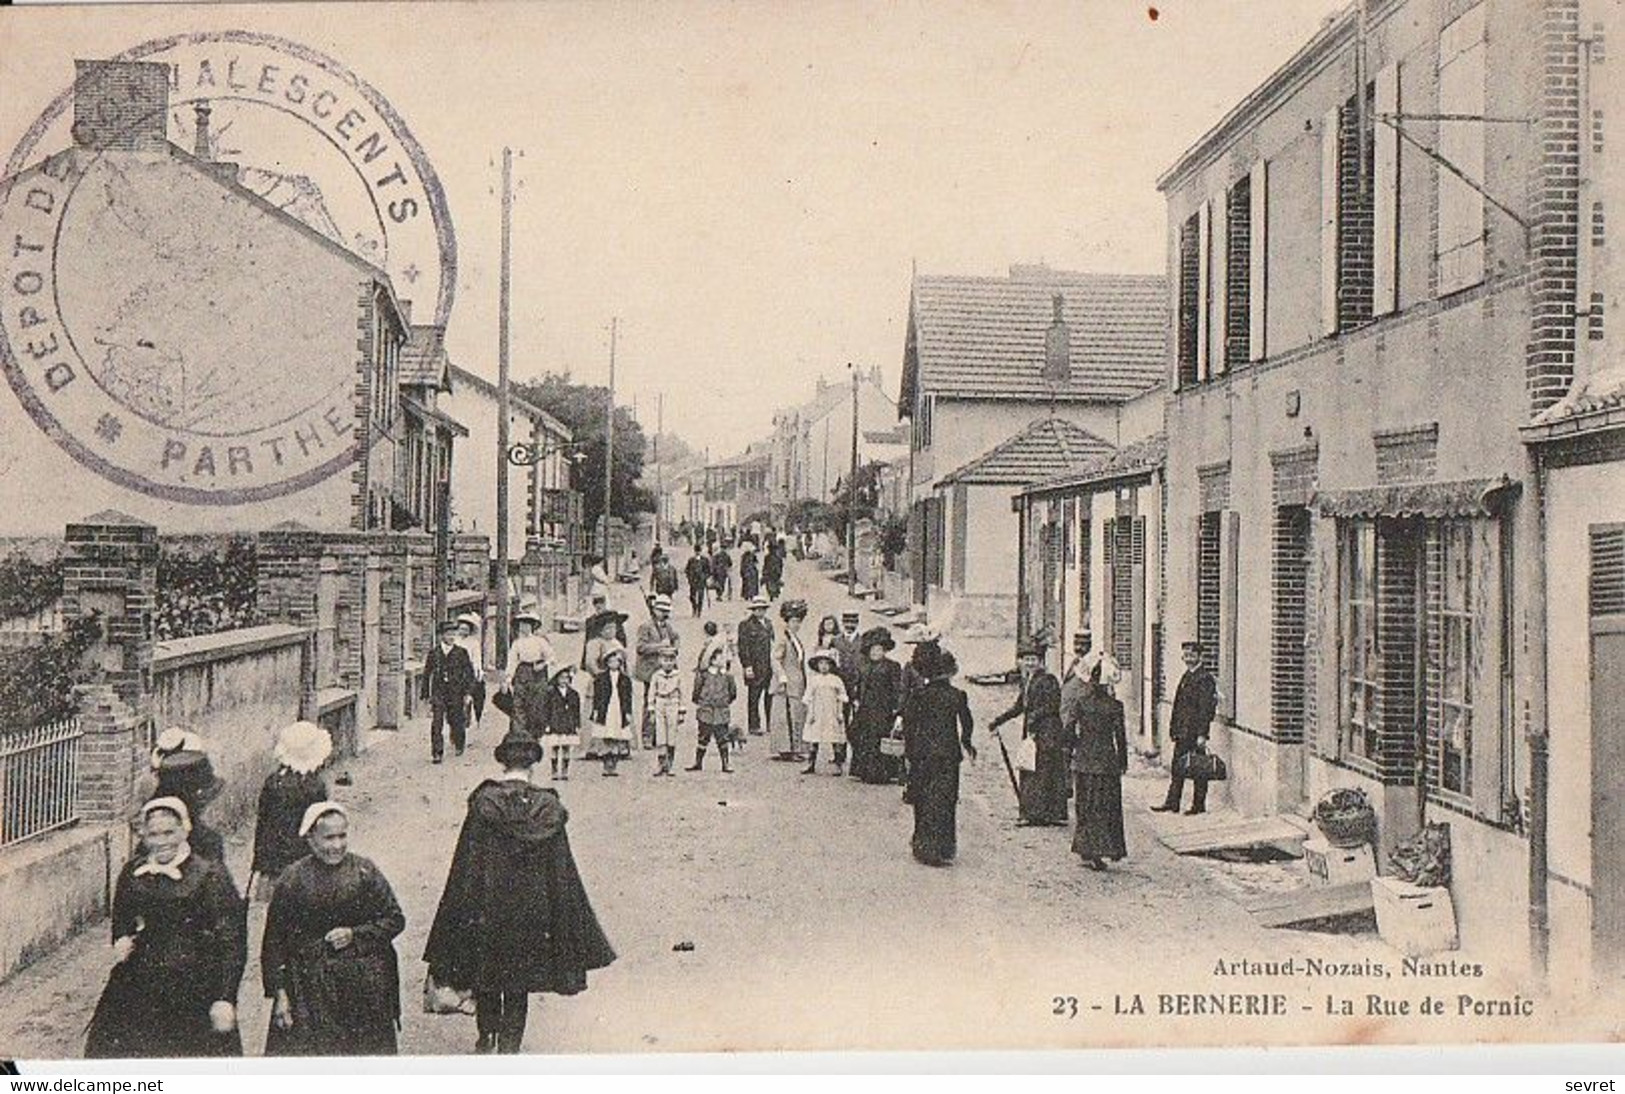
[501, 582]
[609, 443]
[852, 496]
[660, 472]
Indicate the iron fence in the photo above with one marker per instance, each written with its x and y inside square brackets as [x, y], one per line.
[39, 779]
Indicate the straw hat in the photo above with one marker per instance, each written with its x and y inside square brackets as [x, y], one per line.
[303, 747]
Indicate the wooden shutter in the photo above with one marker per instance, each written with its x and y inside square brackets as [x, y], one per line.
[1328, 221]
[1462, 90]
[1485, 665]
[1218, 219]
[1204, 295]
[1258, 252]
[1229, 571]
[1108, 559]
[1385, 215]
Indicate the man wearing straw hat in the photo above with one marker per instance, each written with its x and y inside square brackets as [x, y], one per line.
[653, 637]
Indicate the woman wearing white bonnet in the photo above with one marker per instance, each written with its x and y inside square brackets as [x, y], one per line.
[301, 750]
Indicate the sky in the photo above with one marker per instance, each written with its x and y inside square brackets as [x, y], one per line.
[747, 186]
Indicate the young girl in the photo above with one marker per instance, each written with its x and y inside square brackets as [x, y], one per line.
[714, 694]
[667, 707]
[612, 707]
[829, 629]
[562, 729]
[826, 701]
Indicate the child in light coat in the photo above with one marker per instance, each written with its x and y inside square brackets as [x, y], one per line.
[826, 701]
[668, 708]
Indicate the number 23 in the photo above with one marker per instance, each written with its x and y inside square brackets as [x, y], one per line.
[1065, 1006]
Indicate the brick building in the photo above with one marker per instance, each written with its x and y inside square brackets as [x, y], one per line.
[1371, 277]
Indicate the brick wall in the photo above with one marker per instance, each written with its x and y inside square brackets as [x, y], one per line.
[1356, 226]
[106, 775]
[1407, 455]
[1556, 209]
[361, 474]
[1207, 588]
[112, 567]
[1399, 551]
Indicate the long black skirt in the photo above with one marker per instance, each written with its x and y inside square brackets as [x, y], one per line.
[1044, 791]
[149, 1011]
[1100, 817]
[933, 786]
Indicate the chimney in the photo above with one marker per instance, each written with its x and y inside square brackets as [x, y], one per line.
[120, 105]
[1058, 346]
[201, 144]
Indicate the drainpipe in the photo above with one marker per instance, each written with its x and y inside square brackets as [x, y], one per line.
[1539, 728]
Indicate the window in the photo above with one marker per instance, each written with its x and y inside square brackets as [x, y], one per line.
[1238, 273]
[1362, 666]
[1190, 271]
[1461, 144]
[1456, 636]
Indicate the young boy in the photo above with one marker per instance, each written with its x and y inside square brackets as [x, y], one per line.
[667, 708]
[714, 694]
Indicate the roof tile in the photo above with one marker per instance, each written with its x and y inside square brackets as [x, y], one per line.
[1045, 449]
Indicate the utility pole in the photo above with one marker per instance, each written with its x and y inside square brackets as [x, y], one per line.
[609, 443]
[852, 495]
[660, 472]
[501, 583]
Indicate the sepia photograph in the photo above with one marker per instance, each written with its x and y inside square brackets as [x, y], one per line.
[564, 529]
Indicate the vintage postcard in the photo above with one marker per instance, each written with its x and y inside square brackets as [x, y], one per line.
[565, 528]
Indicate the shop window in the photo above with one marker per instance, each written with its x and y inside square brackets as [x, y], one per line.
[1361, 662]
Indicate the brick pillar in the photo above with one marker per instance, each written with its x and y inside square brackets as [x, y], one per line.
[1400, 549]
[106, 776]
[1550, 358]
[392, 633]
[112, 571]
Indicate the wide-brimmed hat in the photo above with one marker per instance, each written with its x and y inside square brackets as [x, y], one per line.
[567, 670]
[661, 602]
[796, 609]
[921, 634]
[612, 649]
[827, 656]
[878, 636]
[446, 626]
[517, 749]
[303, 747]
[1110, 673]
[189, 776]
[666, 650]
[1032, 646]
[933, 662]
[849, 617]
[470, 619]
[759, 601]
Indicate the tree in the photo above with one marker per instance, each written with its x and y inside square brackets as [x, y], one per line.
[868, 499]
[582, 407]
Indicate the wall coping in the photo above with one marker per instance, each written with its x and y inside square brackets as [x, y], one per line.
[331, 699]
[180, 653]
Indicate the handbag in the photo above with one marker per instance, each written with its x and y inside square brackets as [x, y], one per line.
[440, 999]
[1027, 755]
[892, 746]
[1202, 766]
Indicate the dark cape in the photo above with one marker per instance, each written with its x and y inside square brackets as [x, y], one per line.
[345, 1002]
[879, 698]
[191, 945]
[515, 916]
[936, 728]
[283, 801]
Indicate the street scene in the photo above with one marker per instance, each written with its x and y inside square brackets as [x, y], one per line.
[841, 560]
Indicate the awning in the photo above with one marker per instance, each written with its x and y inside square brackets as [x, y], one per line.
[427, 414]
[1430, 500]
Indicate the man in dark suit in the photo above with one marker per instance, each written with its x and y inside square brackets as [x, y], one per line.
[1195, 702]
[850, 658]
[448, 680]
[756, 657]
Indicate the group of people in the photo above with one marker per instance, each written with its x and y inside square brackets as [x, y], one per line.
[513, 918]
[709, 572]
[1075, 745]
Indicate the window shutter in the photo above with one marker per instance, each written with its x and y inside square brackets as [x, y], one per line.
[1385, 215]
[1204, 295]
[1488, 717]
[1257, 349]
[1218, 219]
[1462, 90]
[1328, 221]
[1229, 569]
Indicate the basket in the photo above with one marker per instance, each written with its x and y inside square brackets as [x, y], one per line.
[1345, 817]
[891, 746]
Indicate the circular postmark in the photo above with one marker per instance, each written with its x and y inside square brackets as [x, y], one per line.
[184, 308]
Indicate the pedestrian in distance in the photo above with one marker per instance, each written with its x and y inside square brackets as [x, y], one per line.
[296, 784]
[528, 690]
[829, 633]
[1043, 789]
[1094, 724]
[469, 637]
[750, 572]
[180, 941]
[773, 569]
[597, 576]
[937, 728]
[448, 684]
[189, 776]
[722, 565]
[527, 624]
[170, 741]
[714, 693]
[514, 917]
[698, 574]
[663, 579]
[667, 708]
[1196, 700]
[612, 709]
[561, 728]
[327, 959]
[878, 700]
[826, 709]
[788, 721]
[755, 643]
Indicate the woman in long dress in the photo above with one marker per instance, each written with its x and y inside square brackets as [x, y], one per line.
[936, 733]
[750, 574]
[612, 708]
[787, 708]
[328, 956]
[292, 788]
[880, 687]
[179, 946]
[1044, 789]
[1094, 721]
[514, 917]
